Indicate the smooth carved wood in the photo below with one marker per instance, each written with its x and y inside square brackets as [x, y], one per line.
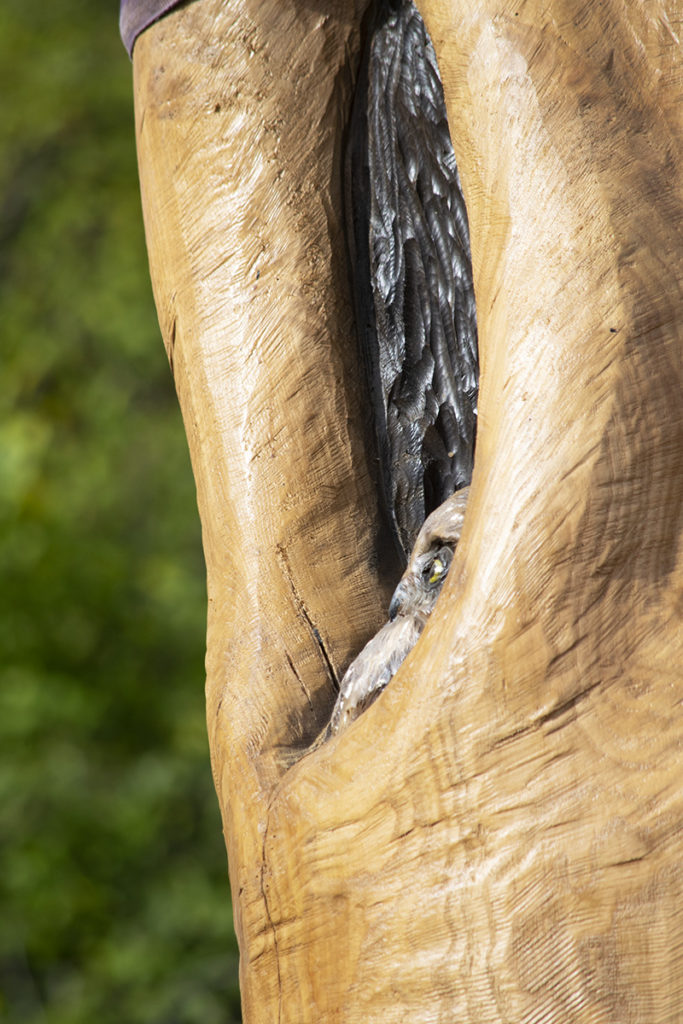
[498, 838]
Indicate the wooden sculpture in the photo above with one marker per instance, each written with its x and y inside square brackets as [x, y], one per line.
[498, 837]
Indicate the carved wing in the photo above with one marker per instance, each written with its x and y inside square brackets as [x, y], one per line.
[410, 259]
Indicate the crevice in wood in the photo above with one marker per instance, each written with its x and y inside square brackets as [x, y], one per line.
[313, 629]
[264, 896]
[170, 349]
[566, 705]
[548, 716]
[300, 680]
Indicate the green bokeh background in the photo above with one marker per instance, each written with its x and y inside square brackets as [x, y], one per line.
[114, 899]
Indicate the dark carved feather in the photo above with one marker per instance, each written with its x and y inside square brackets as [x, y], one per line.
[412, 273]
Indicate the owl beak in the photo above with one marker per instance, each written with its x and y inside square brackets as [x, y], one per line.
[398, 600]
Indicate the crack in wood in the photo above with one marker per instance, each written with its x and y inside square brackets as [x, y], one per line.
[313, 629]
[300, 680]
[270, 917]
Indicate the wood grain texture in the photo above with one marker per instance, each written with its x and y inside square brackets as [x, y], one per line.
[498, 838]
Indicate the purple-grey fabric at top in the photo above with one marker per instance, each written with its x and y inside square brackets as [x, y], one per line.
[137, 15]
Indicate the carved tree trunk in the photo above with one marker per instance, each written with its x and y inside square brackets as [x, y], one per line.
[498, 838]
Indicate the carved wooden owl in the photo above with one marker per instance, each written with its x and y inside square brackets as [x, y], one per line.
[415, 310]
[411, 606]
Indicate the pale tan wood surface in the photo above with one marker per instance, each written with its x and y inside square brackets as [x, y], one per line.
[498, 838]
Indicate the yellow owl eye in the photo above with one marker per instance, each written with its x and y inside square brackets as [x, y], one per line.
[437, 570]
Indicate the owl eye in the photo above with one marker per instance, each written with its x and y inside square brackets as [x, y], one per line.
[437, 570]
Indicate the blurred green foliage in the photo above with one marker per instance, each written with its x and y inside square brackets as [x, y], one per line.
[113, 883]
